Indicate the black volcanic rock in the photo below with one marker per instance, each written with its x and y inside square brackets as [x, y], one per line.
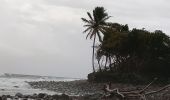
[19, 95]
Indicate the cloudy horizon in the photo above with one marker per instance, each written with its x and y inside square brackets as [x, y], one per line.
[44, 37]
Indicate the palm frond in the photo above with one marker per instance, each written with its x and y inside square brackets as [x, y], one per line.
[85, 20]
[91, 22]
[89, 16]
[87, 29]
[92, 34]
[89, 33]
[106, 18]
[102, 30]
[87, 25]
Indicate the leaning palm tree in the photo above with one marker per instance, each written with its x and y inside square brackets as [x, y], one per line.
[95, 26]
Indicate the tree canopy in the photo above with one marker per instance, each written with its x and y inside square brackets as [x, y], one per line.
[136, 50]
[132, 51]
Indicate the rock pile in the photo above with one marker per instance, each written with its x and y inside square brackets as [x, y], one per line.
[40, 96]
[43, 96]
[80, 87]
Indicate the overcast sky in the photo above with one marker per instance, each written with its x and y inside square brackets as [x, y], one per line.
[44, 37]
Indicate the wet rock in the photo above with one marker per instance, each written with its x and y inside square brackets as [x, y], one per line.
[92, 96]
[16, 86]
[42, 95]
[34, 96]
[2, 89]
[64, 97]
[55, 97]
[19, 95]
[4, 97]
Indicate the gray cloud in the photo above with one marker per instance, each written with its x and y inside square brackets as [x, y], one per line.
[45, 36]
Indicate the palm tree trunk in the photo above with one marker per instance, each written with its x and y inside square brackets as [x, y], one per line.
[110, 62]
[99, 65]
[106, 63]
[93, 52]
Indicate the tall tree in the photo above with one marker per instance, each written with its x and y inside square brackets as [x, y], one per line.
[94, 26]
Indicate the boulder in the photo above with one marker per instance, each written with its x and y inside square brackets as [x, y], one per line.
[19, 95]
[42, 95]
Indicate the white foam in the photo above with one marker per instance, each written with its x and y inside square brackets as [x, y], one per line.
[13, 85]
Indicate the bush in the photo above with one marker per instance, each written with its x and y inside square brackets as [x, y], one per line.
[131, 78]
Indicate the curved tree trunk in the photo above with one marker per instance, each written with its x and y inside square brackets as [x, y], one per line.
[93, 52]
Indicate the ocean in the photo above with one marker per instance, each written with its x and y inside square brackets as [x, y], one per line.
[10, 84]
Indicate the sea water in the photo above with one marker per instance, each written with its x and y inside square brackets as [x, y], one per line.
[10, 84]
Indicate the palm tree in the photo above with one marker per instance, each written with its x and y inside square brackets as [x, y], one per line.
[94, 26]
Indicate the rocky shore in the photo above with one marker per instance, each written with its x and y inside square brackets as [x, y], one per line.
[83, 90]
[78, 87]
[44, 96]
[40, 96]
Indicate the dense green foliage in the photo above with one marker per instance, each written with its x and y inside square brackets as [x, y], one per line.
[136, 50]
[133, 51]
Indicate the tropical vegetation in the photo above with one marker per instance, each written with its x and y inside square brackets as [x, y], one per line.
[121, 50]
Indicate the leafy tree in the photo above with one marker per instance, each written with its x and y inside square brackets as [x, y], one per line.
[135, 50]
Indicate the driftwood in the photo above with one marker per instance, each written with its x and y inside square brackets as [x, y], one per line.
[130, 95]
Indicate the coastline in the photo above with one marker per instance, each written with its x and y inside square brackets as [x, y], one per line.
[81, 90]
[93, 91]
[64, 90]
[73, 88]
